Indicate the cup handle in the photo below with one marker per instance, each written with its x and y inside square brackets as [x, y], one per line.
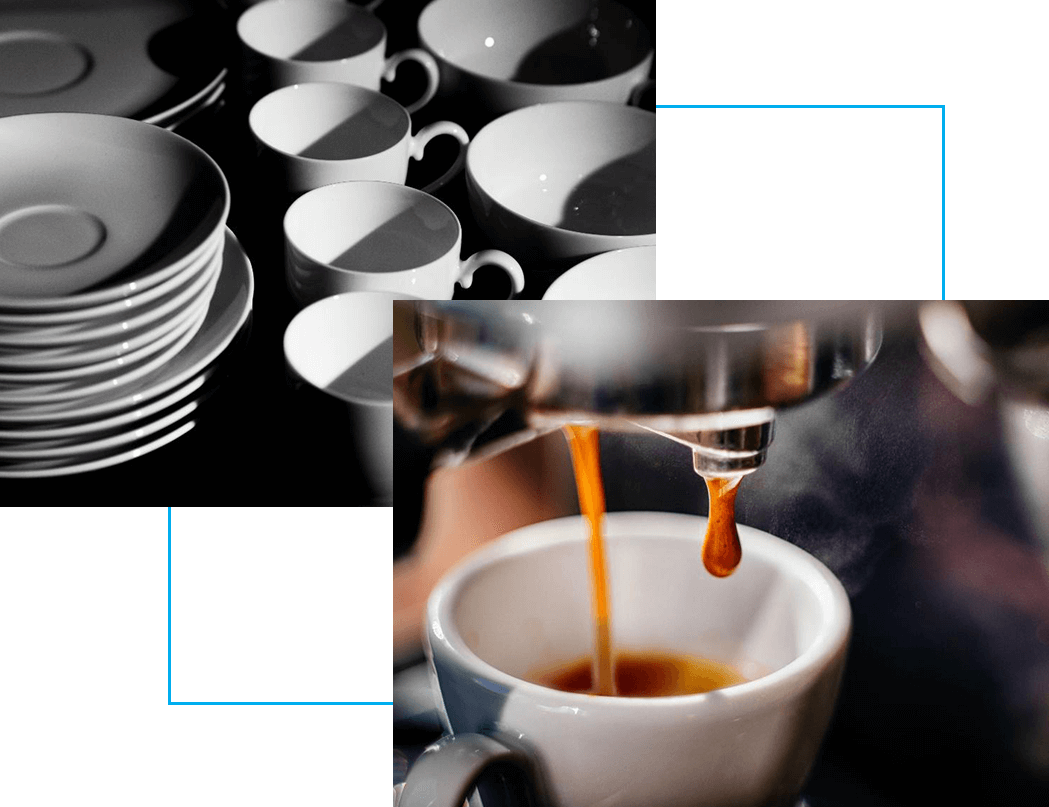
[428, 133]
[494, 257]
[448, 770]
[433, 75]
[639, 91]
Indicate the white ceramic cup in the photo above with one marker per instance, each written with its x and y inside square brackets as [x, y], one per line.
[324, 132]
[623, 274]
[298, 41]
[523, 603]
[343, 346]
[505, 54]
[565, 181]
[380, 236]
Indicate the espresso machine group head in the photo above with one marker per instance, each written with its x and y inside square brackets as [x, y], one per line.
[478, 377]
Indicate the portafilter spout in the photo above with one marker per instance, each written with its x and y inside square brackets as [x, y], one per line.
[477, 377]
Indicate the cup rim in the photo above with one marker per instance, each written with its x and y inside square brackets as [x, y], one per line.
[328, 189]
[348, 89]
[831, 638]
[251, 13]
[313, 309]
[626, 239]
[434, 49]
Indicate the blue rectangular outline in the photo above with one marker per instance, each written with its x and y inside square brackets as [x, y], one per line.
[242, 703]
[943, 153]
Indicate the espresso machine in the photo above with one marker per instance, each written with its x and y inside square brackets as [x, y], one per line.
[477, 378]
[906, 445]
[474, 379]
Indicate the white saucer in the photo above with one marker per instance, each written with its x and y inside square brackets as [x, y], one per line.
[89, 429]
[150, 316]
[70, 450]
[12, 320]
[229, 309]
[64, 57]
[49, 468]
[94, 56]
[108, 369]
[624, 274]
[94, 200]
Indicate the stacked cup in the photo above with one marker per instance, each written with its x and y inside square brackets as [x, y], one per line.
[112, 238]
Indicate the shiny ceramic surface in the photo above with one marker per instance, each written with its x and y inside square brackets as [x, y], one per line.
[144, 201]
[324, 132]
[379, 236]
[625, 274]
[565, 180]
[148, 317]
[524, 602]
[11, 321]
[505, 54]
[106, 369]
[73, 450]
[299, 41]
[343, 346]
[35, 469]
[229, 308]
[62, 56]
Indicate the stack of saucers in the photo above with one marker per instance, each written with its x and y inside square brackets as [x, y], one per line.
[152, 60]
[119, 287]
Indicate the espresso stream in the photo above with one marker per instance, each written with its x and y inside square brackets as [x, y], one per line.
[637, 673]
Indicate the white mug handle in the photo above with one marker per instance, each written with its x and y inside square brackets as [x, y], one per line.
[433, 75]
[639, 91]
[448, 770]
[428, 133]
[494, 257]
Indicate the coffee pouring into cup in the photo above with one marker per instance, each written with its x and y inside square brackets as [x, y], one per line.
[483, 377]
[479, 378]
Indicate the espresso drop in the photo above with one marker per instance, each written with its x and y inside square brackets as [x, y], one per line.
[721, 549]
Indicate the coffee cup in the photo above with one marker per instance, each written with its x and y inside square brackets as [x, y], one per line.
[380, 236]
[504, 54]
[299, 41]
[523, 602]
[323, 132]
[342, 346]
[565, 181]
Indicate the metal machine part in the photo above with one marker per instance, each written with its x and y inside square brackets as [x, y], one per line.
[999, 351]
[479, 377]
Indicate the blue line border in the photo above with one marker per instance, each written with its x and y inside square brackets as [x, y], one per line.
[242, 703]
[943, 153]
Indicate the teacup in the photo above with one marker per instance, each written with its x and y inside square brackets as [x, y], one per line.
[565, 181]
[505, 54]
[380, 236]
[322, 133]
[343, 346]
[623, 274]
[299, 41]
[523, 603]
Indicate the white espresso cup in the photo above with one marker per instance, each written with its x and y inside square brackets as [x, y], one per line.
[297, 41]
[506, 54]
[324, 132]
[523, 603]
[565, 181]
[380, 236]
[342, 346]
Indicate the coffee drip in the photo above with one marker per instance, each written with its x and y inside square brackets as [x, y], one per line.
[472, 378]
[631, 673]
